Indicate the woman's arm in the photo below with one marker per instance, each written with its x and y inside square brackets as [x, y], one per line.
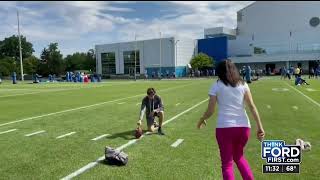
[249, 101]
[209, 112]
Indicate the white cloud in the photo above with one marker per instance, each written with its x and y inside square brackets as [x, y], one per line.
[81, 24]
[202, 14]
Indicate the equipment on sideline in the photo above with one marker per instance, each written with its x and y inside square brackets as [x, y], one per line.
[115, 157]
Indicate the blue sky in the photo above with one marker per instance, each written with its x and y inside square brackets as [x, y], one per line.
[79, 25]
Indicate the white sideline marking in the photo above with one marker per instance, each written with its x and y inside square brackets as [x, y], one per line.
[55, 90]
[11, 130]
[84, 107]
[62, 136]
[177, 104]
[121, 102]
[93, 164]
[38, 132]
[295, 107]
[310, 89]
[268, 106]
[315, 102]
[100, 137]
[177, 143]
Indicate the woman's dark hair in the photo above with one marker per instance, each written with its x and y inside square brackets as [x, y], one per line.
[228, 73]
[151, 91]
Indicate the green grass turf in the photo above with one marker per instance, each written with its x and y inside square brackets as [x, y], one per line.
[197, 157]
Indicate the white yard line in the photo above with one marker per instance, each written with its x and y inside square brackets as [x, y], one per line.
[11, 130]
[177, 104]
[68, 134]
[93, 164]
[83, 107]
[177, 143]
[100, 137]
[313, 101]
[35, 133]
[121, 102]
[268, 106]
[295, 107]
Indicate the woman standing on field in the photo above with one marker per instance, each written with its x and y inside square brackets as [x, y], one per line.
[233, 125]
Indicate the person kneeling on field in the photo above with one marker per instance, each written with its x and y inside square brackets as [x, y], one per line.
[152, 105]
[299, 81]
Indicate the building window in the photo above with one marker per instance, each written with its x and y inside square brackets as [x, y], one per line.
[108, 61]
[239, 16]
[129, 58]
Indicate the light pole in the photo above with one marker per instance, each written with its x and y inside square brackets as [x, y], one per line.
[21, 65]
[175, 42]
[135, 57]
[160, 55]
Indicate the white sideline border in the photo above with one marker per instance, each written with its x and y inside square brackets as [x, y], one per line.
[93, 164]
[85, 107]
[67, 88]
[315, 102]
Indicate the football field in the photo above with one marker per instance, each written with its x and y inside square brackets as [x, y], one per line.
[60, 130]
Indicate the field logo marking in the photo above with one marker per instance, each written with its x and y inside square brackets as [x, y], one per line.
[310, 89]
[280, 89]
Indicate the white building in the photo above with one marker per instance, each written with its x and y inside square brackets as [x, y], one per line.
[120, 58]
[274, 34]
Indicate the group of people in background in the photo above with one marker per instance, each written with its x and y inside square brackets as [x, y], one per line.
[82, 77]
[249, 74]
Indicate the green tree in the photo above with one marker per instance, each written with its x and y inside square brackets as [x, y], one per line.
[202, 61]
[51, 60]
[81, 61]
[90, 63]
[30, 65]
[7, 66]
[75, 61]
[9, 47]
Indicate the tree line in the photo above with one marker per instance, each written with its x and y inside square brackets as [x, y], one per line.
[51, 60]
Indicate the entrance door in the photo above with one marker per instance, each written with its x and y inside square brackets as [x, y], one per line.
[131, 71]
[271, 67]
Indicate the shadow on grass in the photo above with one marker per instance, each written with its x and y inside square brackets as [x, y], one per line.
[127, 135]
[111, 164]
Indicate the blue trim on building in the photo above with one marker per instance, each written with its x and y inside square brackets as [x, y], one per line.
[180, 71]
[217, 47]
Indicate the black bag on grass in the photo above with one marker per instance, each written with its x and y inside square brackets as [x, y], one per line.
[115, 157]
